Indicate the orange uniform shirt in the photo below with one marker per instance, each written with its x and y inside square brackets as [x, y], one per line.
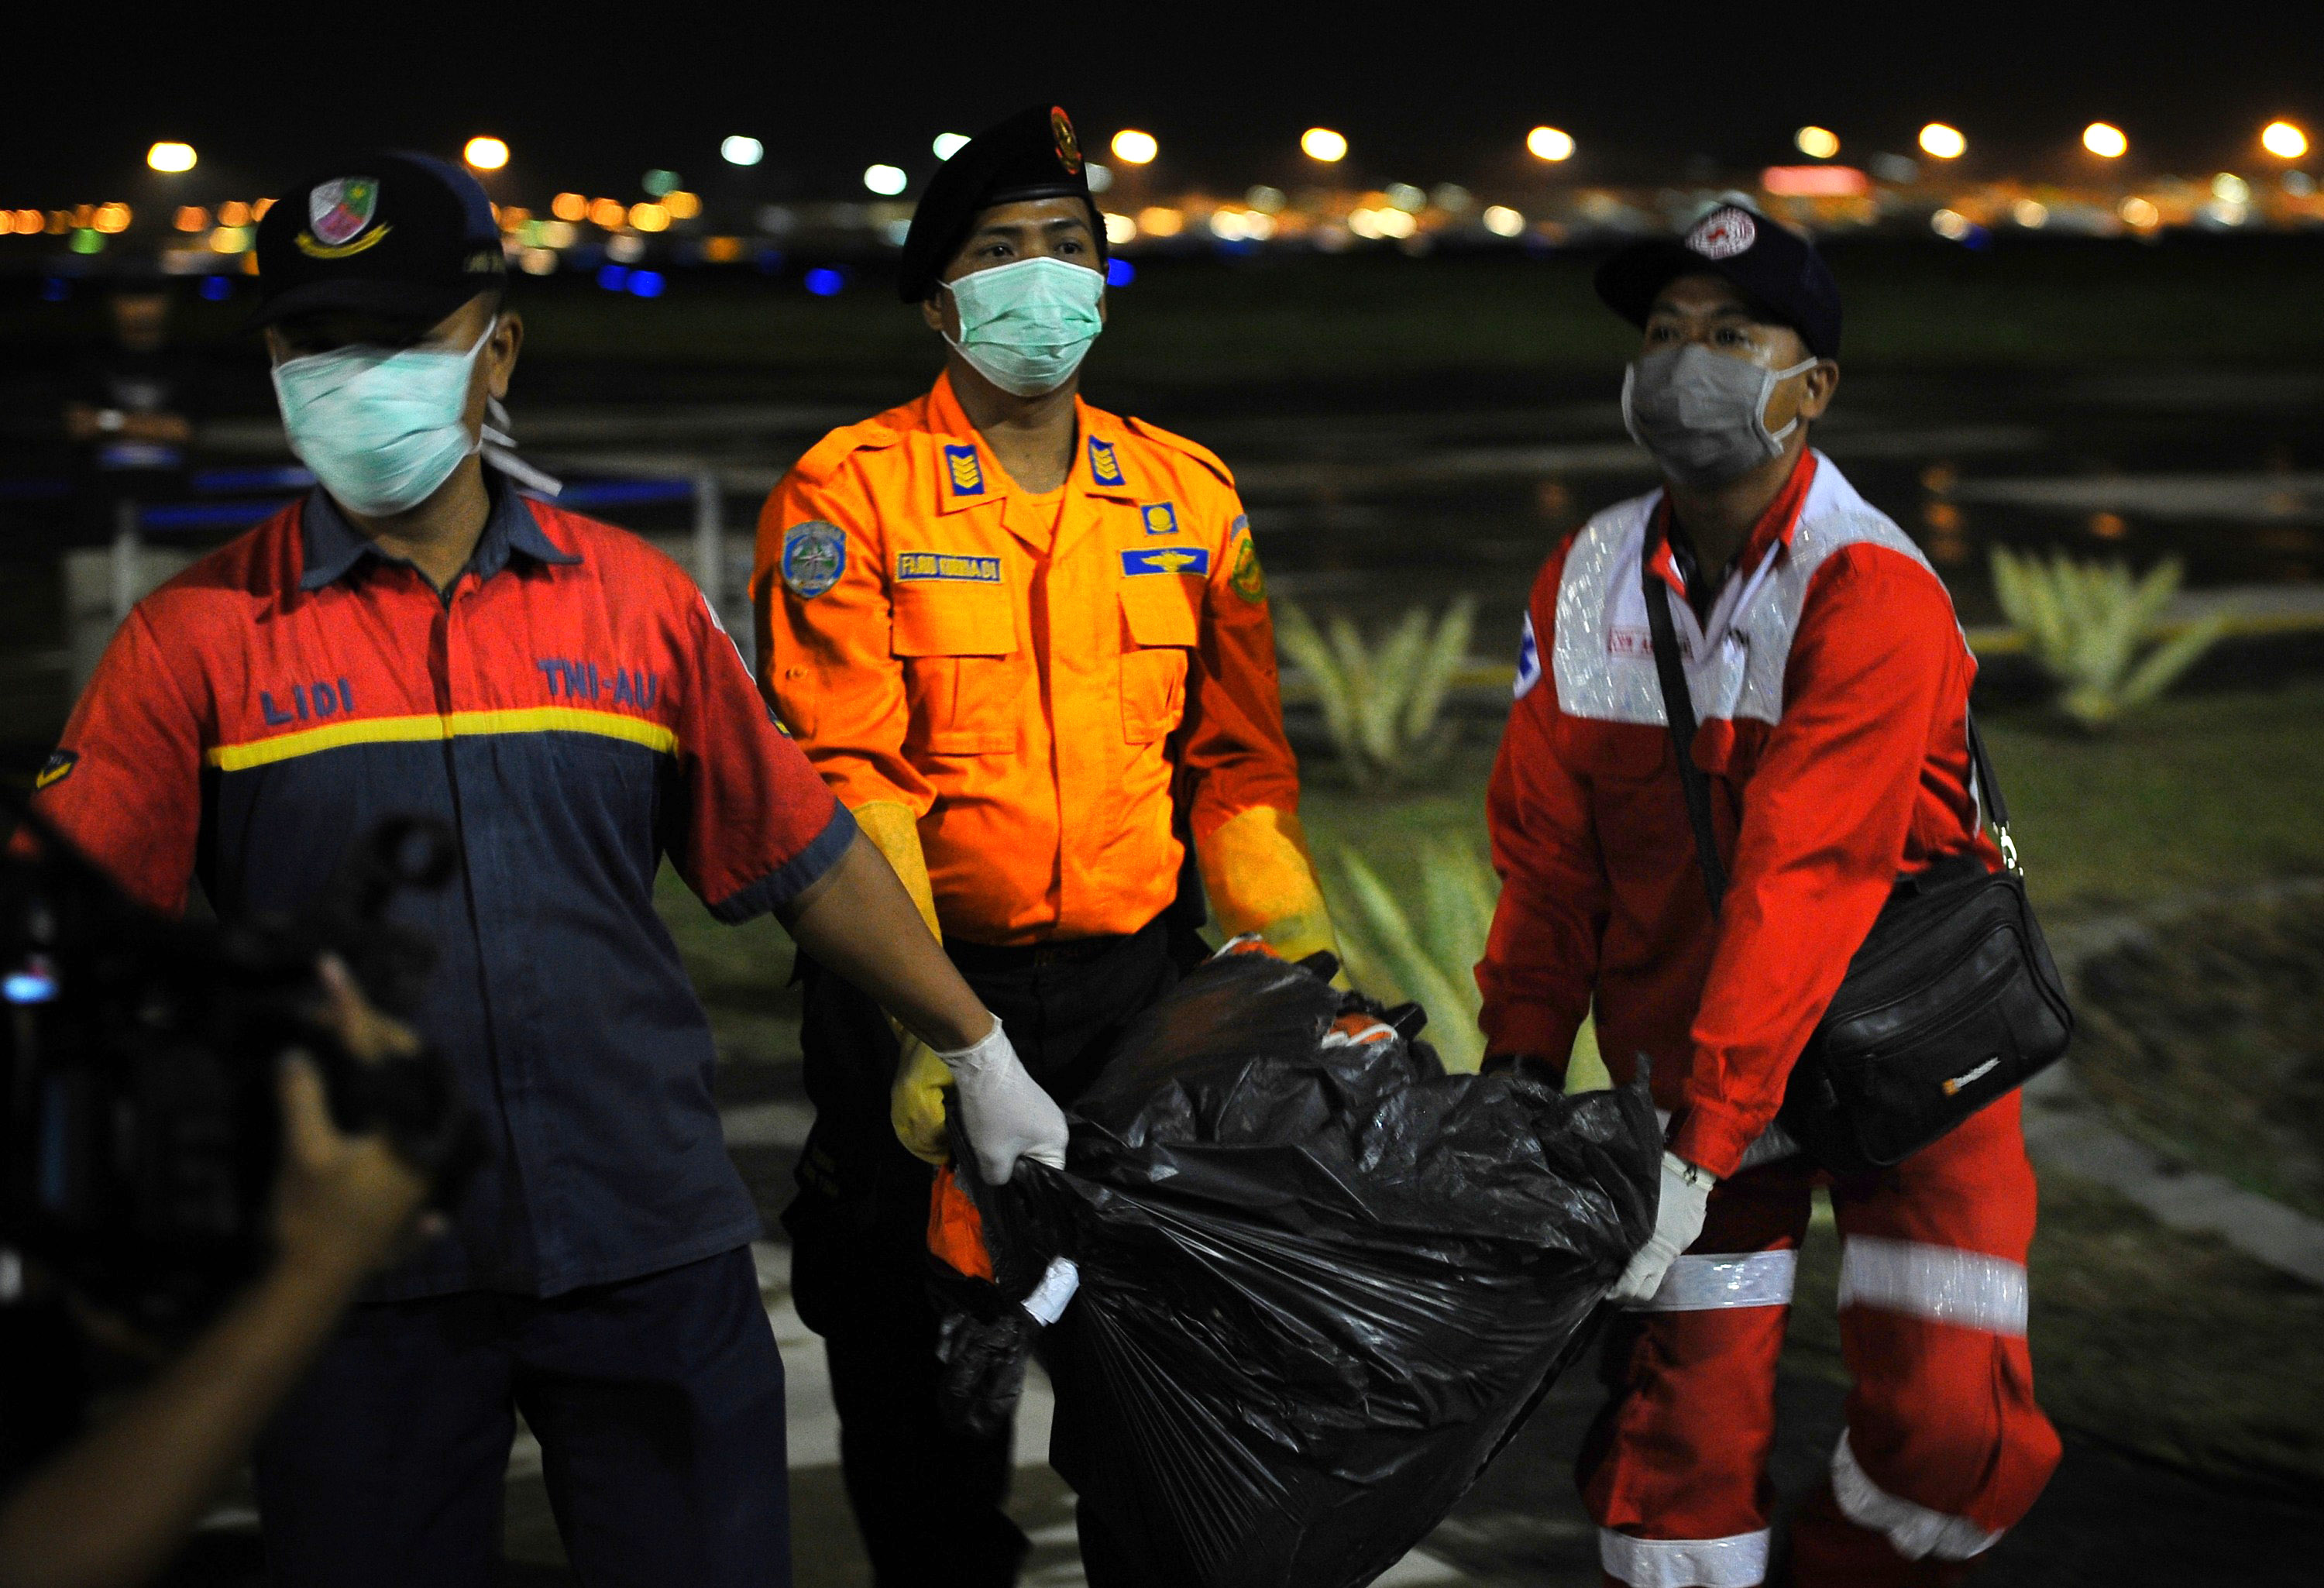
[1028, 677]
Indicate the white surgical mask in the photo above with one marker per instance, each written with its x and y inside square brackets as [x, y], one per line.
[1703, 414]
[382, 427]
[1026, 327]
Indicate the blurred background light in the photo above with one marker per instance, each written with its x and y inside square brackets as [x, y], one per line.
[1323, 144]
[230, 240]
[658, 181]
[216, 289]
[649, 218]
[1132, 147]
[2230, 189]
[85, 240]
[2139, 213]
[613, 277]
[171, 157]
[1940, 141]
[2105, 140]
[1549, 143]
[110, 219]
[2282, 140]
[1815, 181]
[234, 212]
[1267, 200]
[258, 211]
[625, 247]
[1950, 225]
[681, 204]
[646, 283]
[609, 212]
[1120, 273]
[741, 150]
[1502, 221]
[1100, 177]
[538, 262]
[1120, 230]
[483, 153]
[1816, 142]
[824, 281]
[191, 218]
[1158, 221]
[2030, 213]
[569, 207]
[1406, 197]
[948, 144]
[886, 181]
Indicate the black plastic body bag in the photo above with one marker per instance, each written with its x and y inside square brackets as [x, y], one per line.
[1321, 1283]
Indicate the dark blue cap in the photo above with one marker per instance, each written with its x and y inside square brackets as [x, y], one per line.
[1776, 269]
[395, 234]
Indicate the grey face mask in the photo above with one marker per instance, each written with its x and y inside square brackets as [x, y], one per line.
[1703, 415]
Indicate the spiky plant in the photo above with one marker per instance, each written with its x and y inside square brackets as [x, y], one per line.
[1384, 706]
[2094, 627]
[1432, 960]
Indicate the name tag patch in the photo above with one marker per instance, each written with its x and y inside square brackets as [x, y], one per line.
[1167, 559]
[948, 566]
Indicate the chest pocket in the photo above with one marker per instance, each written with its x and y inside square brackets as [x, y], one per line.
[962, 671]
[1158, 637]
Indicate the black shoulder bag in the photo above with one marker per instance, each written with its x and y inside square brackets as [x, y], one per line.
[1951, 1002]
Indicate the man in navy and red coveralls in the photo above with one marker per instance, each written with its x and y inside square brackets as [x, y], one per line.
[415, 637]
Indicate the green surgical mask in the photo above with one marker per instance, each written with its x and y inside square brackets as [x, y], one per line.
[1027, 325]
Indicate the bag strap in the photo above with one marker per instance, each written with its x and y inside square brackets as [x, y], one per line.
[1678, 709]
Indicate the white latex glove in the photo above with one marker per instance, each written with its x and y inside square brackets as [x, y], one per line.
[1007, 1114]
[1678, 1220]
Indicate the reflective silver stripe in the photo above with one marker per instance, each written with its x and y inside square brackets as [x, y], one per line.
[1915, 1530]
[1737, 1562]
[1600, 656]
[1935, 1282]
[1721, 1279]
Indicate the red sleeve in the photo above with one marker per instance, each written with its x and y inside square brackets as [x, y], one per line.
[1234, 739]
[759, 825]
[1541, 956]
[125, 782]
[1821, 839]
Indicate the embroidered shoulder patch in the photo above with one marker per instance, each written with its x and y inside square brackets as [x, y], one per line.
[962, 469]
[1105, 467]
[57, 768]
[815, 554]
[1245, 577]
[1528, 662]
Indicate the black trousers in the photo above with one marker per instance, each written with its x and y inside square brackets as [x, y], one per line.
[657, 1401]
[928, 1500]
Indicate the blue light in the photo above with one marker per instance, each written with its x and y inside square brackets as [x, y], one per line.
[770, 262]
[613, 277]
[216, 289]
[55, 290]
[28, 987]
[1120, 273]
[646, 283]
[824, 281]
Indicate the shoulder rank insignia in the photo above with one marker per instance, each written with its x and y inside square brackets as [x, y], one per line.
[1105, 468]
[1244, 576]
[1167, 559]
[1160, 518]
[815, 554]
[965, 472]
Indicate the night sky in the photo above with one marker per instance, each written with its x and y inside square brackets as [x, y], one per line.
[589, 97]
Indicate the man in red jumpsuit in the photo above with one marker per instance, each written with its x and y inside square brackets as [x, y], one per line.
[1831, 684]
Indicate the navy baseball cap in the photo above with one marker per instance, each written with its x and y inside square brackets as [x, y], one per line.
[394, 234]
[1778, 270]
[1033, 154]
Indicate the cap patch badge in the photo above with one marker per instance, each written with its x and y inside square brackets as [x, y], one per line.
[1105, 468]
[815, 554]
[1069, 147]
[1161, 517]
[967, 474]
[337, 212]
[1723, 234]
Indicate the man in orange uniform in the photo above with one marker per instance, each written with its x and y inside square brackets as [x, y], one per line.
[1027, 642]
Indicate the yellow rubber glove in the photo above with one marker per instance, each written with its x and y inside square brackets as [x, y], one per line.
[915, 1103]
[1259, 878]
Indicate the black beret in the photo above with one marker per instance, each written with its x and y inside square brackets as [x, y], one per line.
[1033, 154]
[1778, 270]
